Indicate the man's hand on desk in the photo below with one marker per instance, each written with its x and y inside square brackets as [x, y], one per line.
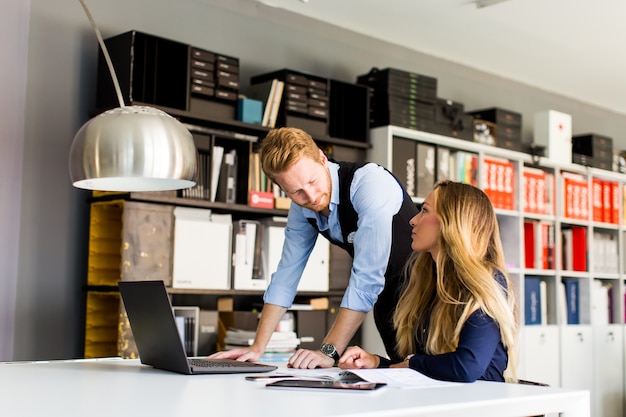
[240, 354]
[309, 359]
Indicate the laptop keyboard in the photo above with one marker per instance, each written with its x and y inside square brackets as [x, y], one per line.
[208, 363]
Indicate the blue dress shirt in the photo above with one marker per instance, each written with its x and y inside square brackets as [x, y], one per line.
[377, 197]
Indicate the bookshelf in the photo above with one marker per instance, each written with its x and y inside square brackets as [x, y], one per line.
[132, 236]
[172, 236]
[571, 218]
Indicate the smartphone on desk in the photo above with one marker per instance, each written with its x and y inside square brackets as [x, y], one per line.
[329, 385]
[267, 377]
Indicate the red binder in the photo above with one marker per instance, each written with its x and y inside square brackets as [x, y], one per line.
[579, 246]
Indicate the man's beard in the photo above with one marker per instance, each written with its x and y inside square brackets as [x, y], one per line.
[319, 207]
[324, 198]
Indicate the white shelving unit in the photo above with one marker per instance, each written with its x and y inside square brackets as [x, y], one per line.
[589, 355]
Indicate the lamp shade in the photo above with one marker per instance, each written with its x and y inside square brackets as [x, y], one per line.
[133, 148]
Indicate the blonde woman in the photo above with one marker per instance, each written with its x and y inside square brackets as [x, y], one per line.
[456, 319]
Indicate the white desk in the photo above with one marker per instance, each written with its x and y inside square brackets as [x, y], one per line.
[127, 388]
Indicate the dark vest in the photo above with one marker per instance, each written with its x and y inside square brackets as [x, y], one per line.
[400, 250]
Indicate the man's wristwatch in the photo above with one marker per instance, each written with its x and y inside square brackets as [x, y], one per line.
[330, 350]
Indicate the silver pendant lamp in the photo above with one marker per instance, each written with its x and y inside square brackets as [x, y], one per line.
[131, 148]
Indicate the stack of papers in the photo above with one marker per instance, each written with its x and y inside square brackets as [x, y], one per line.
[280, 342]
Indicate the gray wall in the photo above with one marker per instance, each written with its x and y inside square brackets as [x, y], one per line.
[49, 269]
[14, 28]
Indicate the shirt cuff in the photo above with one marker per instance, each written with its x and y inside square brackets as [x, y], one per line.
[384, 362]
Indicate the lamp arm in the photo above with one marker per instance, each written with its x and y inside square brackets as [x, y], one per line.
[105, 51]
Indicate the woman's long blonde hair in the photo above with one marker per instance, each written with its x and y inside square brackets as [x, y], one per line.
[461, 279]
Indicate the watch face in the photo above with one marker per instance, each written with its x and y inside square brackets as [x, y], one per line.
[328, 350]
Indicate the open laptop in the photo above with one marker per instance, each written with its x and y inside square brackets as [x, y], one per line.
[158, 340]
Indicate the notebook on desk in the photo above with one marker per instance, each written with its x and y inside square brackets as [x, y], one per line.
[158, 341]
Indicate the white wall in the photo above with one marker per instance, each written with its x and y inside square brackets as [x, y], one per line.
[60, 87]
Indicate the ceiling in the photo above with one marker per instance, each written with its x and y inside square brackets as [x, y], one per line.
[575, 48]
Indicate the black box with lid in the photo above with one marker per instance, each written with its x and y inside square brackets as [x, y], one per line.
[295, 108]
[400, 98]
[498, 116]
[447, 111]
[403, 112]
[292, 77]
[150, 70]
[324, 108]
[348, 110]
[157, 71]
[395, 82]
[451, 120]
[590, 161]
[213, 83]
[592, 144]
[508, 126]
[593, 150]
[404, 106]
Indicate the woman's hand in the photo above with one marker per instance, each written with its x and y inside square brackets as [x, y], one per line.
[356, 358]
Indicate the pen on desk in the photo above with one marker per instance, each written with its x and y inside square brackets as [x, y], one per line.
[267, 377]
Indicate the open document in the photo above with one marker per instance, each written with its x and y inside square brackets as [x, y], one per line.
[393, 377]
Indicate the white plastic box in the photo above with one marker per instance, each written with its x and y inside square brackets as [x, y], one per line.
[202, 249]
[553, 130]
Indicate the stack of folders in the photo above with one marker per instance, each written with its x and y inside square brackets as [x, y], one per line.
[280, 342]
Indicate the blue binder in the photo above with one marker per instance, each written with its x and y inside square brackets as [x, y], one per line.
[532, 300]
[572, 300]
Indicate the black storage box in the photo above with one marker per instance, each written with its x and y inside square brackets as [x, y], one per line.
[462, 128]
[509, 138]
[400, 111]
[149, 69]
[214, 84]
[348, 110]
[324, 108]
[448, 111]
[295, 109]
[401, 83]
[451, 120]
[498, 116]
[590, 161]
[384, 102]
[162, 72]
[312, 83]
[597, 146]
[508, 126]
[408, 121]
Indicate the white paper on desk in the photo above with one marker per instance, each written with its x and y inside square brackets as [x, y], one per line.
[400, 378]
[393, 377]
